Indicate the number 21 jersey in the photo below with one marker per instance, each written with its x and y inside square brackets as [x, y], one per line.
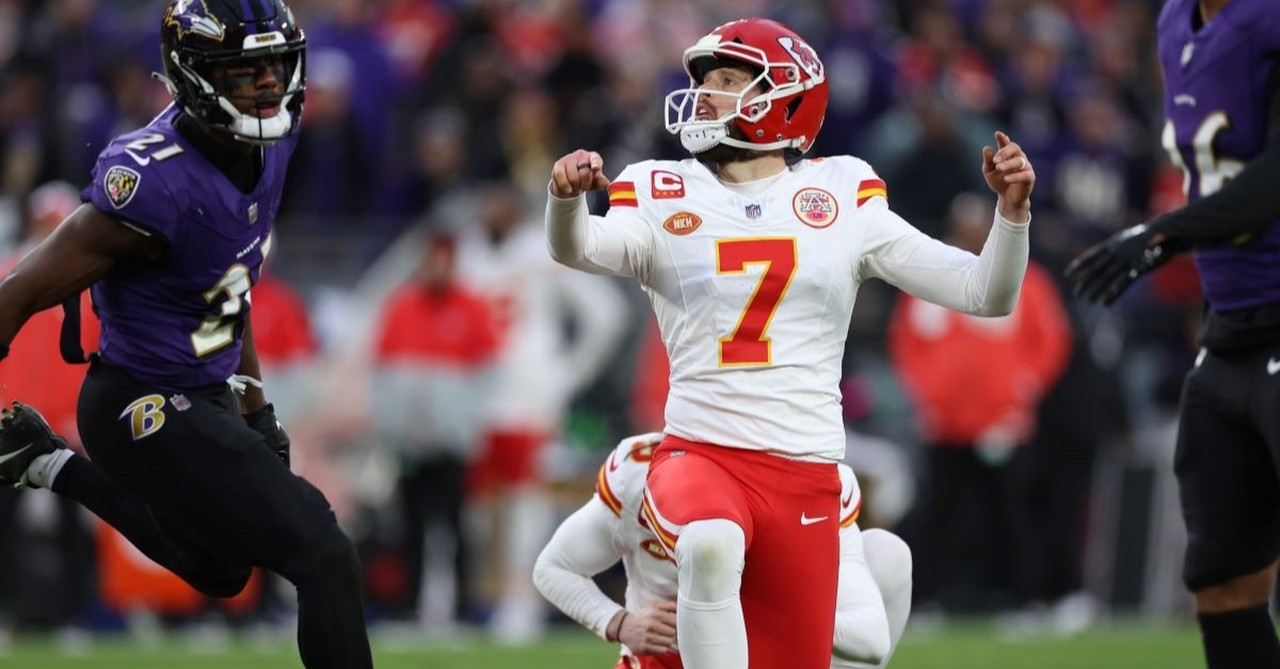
[176, 321]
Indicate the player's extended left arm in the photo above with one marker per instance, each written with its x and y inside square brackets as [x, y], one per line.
[258, 413]
[1245, 206]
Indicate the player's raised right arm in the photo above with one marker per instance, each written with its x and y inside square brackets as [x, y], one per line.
[80, 251]
[579, 240]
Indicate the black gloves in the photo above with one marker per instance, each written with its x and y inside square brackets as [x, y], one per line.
[264, 422]
[1106, 270]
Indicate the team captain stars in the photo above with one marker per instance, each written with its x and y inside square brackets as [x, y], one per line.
[752, 261]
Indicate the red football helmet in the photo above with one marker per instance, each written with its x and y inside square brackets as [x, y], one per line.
[786, 115]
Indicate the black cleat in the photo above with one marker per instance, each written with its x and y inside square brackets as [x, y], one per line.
[24, 436]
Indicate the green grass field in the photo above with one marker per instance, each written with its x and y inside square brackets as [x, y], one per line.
[1120, 647]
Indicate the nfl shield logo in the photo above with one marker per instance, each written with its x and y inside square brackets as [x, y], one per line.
[180, 402]
[753, 211]
[253, 213]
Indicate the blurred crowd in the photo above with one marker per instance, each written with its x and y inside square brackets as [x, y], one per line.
[452, 390]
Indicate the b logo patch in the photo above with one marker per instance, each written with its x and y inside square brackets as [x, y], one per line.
[815, 207]
[146, 416]
[120, 183]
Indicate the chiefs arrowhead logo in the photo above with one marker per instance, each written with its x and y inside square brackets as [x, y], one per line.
[682, 223]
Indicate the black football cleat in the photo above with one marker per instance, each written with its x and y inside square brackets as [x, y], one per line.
[24, 436]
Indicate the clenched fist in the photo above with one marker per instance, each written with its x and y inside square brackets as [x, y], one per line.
[577, 173]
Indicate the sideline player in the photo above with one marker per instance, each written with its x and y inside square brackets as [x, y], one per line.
[752, 258]
[1221, 65]
[872, 605]
[170, 238]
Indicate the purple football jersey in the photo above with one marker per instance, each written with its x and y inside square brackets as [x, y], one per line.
[1216, 105]
[177, 321]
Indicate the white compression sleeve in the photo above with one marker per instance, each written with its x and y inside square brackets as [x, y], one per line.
[582, 547]
[710, 629]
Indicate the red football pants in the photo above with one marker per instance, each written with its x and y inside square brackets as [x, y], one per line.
[790, 513]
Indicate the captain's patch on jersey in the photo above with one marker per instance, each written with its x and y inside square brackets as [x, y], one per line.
[815, 207]
[120, 183]
[682, 223]
[623, 194]
[870, 188]
[666, 185]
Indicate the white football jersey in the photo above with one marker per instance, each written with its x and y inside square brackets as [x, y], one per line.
[651, 571]
[754, 293]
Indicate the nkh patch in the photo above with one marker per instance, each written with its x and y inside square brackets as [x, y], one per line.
[870, 188]
[120, 183]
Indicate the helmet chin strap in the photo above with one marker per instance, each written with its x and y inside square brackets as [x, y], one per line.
[699, 137]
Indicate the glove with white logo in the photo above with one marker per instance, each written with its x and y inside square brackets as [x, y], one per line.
[1105, 271]
[265, 423]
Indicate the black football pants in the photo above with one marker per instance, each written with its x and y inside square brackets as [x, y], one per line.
[195, 489]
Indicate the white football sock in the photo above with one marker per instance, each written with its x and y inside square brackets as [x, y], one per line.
[45, 468]
[710, 629]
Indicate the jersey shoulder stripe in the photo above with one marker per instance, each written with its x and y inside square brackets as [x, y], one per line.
[620, 482]
[870, 188]
[623, 194]
[850, 496]
[850, 517]
[605, 493]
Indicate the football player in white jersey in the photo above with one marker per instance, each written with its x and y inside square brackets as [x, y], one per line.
[874, 598]
[752, 258]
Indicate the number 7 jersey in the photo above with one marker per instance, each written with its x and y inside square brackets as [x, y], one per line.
[753, 293]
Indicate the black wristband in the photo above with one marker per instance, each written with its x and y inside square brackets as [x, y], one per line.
[617, 634]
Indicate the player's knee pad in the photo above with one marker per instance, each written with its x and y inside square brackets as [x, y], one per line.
[710, 555]
[889, 559]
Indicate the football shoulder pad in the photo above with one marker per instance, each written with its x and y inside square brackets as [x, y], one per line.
[620, 483]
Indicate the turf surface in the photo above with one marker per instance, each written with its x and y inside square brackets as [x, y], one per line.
[966, 647]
